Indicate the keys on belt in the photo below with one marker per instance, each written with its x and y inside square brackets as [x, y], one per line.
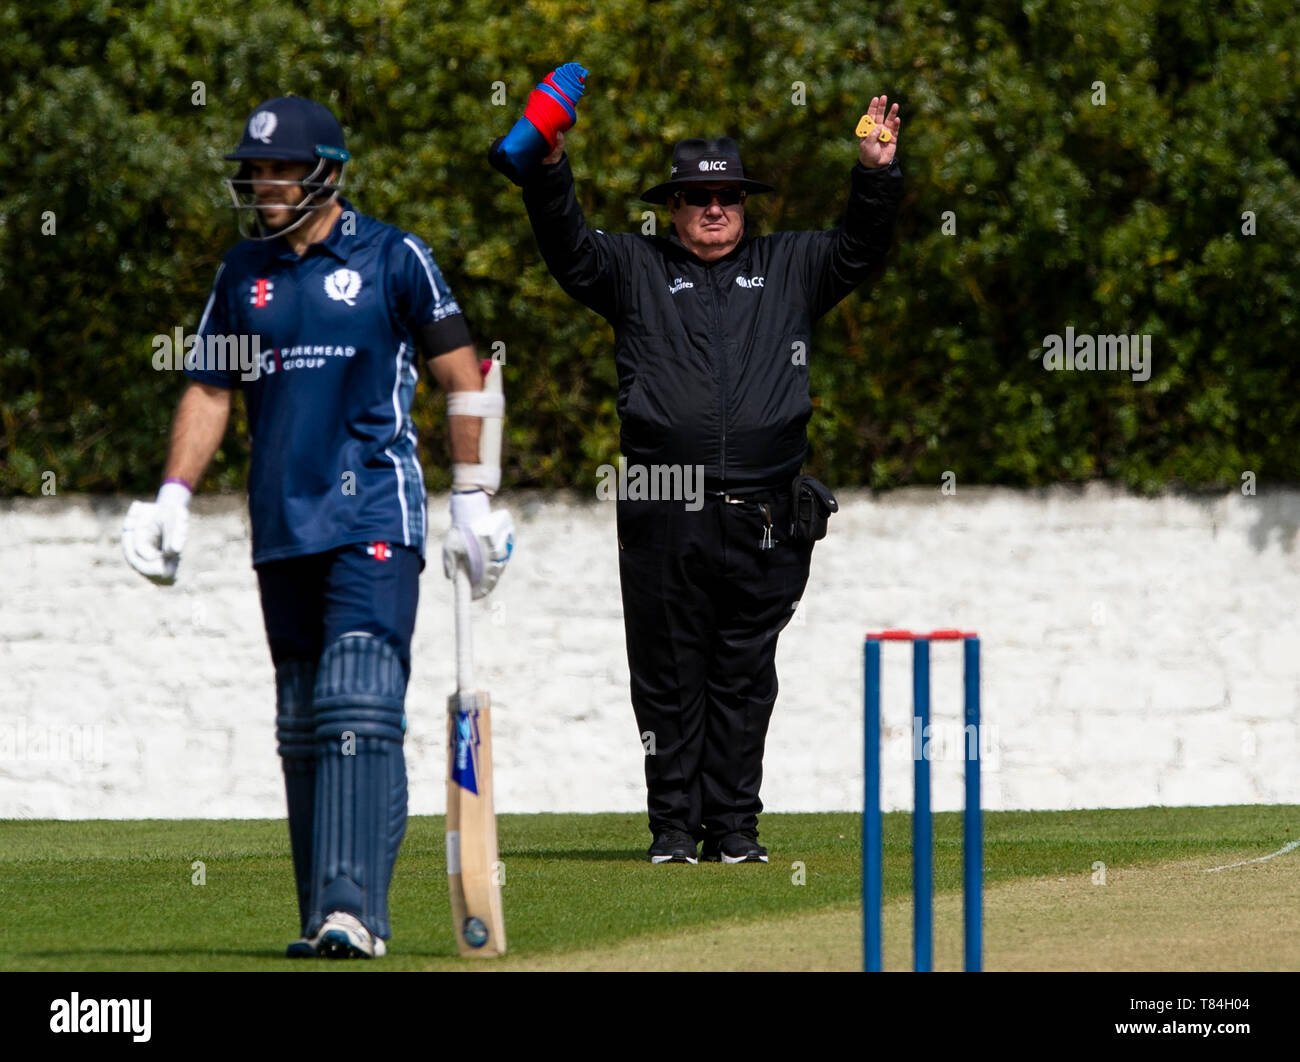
[765, 508]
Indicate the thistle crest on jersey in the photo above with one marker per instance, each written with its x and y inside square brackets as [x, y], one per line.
[343, 285]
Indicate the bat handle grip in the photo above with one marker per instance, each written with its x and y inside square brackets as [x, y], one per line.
[464, 634]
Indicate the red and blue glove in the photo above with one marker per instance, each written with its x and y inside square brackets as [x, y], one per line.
[551, 109]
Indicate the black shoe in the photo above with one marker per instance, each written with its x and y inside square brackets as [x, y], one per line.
[673, 846]
[733, 848]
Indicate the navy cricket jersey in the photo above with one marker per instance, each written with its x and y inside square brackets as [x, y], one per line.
[333, 447]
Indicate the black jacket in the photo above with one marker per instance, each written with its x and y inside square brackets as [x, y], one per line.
[710, 371]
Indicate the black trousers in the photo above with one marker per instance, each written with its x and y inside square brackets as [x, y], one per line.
[703, 605]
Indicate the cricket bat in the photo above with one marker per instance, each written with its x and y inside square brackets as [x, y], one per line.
[474, 873]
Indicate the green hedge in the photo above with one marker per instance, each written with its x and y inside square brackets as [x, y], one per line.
[1115, 218]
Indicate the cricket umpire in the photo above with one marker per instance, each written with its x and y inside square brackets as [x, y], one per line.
[712, 336]
[342, 307]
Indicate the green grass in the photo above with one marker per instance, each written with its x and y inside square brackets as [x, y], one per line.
[110, 895]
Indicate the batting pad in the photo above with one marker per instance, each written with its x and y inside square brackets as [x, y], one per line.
[360, 780]
[295, 681]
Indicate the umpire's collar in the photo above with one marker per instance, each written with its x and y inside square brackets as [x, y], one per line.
[337, 243]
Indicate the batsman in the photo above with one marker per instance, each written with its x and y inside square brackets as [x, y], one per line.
[712, 340]
[343, 308]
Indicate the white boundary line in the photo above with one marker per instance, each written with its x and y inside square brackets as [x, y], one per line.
[1262, 859]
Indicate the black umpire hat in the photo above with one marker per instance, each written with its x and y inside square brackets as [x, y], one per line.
[699, 161]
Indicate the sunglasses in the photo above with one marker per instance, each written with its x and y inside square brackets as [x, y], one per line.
[702, 197]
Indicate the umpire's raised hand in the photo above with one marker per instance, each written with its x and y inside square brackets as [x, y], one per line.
[557, 152]
[873, 152]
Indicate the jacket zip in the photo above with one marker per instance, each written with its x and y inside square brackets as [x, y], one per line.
[722, 375]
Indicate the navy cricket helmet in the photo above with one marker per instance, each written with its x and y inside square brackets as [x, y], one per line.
[287, 129]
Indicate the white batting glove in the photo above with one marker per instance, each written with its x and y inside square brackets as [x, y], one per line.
[479, 538]
[153, 533]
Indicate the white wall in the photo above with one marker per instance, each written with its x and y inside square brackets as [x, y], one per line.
[1135, 651]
